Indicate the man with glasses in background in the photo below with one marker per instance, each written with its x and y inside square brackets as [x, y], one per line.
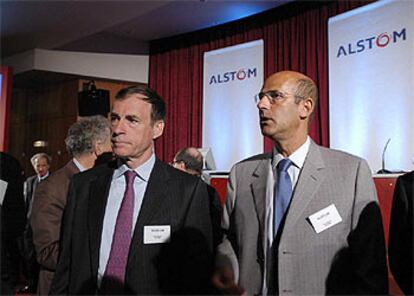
[303, 219]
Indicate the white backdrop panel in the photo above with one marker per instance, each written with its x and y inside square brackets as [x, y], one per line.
[371, 79]
[232, 76]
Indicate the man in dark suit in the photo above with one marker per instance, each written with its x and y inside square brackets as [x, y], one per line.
[41, 165]
[303, 220]
[400, 245]
[87, 139]
[137, 225]
[12, 219]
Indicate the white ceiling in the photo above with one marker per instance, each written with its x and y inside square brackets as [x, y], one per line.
[112, 26]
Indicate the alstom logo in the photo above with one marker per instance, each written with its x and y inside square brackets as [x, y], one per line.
[379, 41]
[241, 74]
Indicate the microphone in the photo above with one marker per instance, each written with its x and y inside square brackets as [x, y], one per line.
[383, 170]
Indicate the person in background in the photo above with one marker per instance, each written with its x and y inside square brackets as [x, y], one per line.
[304, 219]
[87, 139]
[400, 243]
[41, 165]
[136, 225]
[12, 221]
[190, 160]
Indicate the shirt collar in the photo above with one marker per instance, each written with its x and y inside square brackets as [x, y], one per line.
[297, 157]
[42, 178]
[143, 171]
[78, 165]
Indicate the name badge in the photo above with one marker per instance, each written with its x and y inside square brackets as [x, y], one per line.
[325, 218]
[157, 234]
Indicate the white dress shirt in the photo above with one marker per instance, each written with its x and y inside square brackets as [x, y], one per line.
[78, 165]
[116, 194]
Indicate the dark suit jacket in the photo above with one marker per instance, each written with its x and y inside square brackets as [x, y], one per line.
[400, 249]
[216, 211]
[47, 210]
[12, 217]
[172, 198]
[29, 188]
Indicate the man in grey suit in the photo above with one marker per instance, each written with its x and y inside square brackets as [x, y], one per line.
[326, 236]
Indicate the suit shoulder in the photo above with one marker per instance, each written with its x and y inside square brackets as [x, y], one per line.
[338, 156]
[94, 172]
[407, 177]
[406, 181]
[31, 178]
[63, 172]
[254, 159]
[178, 174]
[252, 162]
[55, 176]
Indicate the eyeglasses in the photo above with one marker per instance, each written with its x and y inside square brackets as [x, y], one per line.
[273, 96]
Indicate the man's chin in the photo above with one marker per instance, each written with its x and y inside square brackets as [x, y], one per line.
[265, 131]
[121, 153]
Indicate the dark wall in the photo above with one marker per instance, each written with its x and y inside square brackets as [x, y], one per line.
[44, 110]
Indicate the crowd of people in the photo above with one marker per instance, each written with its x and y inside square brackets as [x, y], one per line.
[303, 219]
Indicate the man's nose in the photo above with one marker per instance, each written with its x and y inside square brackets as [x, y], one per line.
[117, 127]
[263, 103]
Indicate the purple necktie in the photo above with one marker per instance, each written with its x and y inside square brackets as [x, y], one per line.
[283, 193]
[114, 276]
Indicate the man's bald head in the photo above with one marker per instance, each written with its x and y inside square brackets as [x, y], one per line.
[299, 84]
[189, 160]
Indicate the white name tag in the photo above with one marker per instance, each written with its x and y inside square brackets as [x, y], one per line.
[157, 234]
[325, 218]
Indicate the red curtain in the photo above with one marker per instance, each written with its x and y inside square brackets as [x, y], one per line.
[295, 38]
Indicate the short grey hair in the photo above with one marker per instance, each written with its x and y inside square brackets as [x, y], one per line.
[35, 157]
[83, 134]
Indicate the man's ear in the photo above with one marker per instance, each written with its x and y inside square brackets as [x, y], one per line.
[180, 165]
[306, 107]
[98, 148]
[158, 128]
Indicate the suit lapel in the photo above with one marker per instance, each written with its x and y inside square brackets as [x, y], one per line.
[153, 199]
[258, 187]
[312, 175]
[98, 196]
[34, 182]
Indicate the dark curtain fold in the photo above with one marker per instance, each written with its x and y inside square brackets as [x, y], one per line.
[295, 38]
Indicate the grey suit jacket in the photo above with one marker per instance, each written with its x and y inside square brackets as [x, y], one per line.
[348, 258]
